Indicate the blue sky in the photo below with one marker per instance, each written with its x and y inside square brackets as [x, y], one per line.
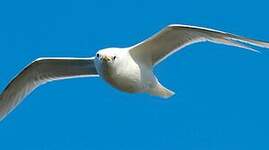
[221, 99]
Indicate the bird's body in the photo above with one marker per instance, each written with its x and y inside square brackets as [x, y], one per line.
[125, 73]
[127, 69]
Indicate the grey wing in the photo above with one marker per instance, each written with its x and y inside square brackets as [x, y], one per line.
[175, 37]
[39, 72]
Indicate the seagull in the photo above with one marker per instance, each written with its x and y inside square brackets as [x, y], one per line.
[127, 69]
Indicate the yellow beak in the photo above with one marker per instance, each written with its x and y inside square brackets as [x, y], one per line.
[106, 58]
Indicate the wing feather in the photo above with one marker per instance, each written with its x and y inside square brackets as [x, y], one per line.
[39, 72]
[175, 37]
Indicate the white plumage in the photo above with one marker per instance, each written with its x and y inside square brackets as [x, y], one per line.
[127, 69]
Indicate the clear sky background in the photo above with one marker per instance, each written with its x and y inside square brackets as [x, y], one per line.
[221, 99]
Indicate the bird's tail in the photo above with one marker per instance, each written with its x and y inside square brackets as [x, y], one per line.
[161, 91]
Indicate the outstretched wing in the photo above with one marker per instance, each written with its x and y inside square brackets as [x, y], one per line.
[39, 72]
[175, 37]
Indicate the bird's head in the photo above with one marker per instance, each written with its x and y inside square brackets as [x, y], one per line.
[108, 59]
[107, 56]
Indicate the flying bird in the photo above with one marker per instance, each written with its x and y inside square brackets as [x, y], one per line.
[127, 69]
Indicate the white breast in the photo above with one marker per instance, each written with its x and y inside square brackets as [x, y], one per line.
[127, 75]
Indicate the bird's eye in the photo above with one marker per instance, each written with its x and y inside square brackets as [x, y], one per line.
[114, 57]
[98, 55]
